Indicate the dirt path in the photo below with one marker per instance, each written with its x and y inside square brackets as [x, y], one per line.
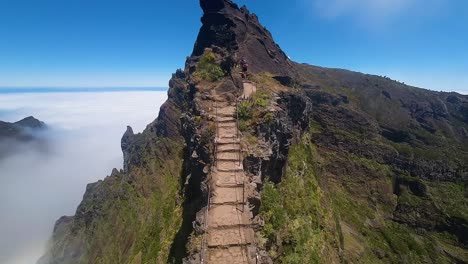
[249, 90]
[229, 222]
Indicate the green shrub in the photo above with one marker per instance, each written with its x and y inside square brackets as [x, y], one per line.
[243, 125]
[269, 118]
[207, 69]
[261, 99]
[244, 109]
[253, 111]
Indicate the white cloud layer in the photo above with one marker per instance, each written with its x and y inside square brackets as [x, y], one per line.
[38, 186]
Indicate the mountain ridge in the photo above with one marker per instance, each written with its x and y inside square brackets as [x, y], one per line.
[16, 129]
[345, 167]
[17, 133]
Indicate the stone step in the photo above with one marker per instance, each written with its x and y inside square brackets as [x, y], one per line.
[236, 169]
[228, 147]
[232, 137]
[227, 129]
[231, 182]
[228, 155]
[228, 166]
[221, 141]
[228, 159]
[222, 195]
[228, 178]
[225, 108]
[233, 115]
[227, 132]
[231, 255]
[222, 238]
[225, 119]
[227, 216]
[233, 185]
[227, 124]
[217, 102]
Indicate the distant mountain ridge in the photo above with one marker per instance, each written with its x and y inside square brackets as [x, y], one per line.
[14, 135]
[21, 129]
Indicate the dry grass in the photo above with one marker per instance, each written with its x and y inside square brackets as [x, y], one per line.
[266, 82]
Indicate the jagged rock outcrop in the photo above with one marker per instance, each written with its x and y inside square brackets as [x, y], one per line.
[343, 167]
[239, 32]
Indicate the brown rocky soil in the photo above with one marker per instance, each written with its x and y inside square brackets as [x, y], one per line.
[229, 220]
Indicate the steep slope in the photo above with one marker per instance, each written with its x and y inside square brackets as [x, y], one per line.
[386, 168]
[339, 166]
[133, 215]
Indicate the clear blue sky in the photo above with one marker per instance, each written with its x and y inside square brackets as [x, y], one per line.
[96, 43]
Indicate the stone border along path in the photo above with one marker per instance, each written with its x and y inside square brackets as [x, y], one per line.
[229, 230]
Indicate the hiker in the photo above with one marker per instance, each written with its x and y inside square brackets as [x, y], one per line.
[245, 66]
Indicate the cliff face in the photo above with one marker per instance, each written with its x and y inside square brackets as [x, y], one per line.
[239, 32]
[133, 215]
[387, 167]
[346, 167]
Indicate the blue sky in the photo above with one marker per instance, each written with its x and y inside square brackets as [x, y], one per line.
[101, 43]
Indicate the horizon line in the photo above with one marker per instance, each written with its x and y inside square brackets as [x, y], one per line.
[26, 89]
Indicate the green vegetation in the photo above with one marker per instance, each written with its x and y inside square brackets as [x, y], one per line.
[371, 165]
[261, 99]
[123, 222]
[398, 243]
[410, 199]
[244, 109]
[298, 214]
[369, 237]
[315, 127]
[402, 242]
[207, 69]
[167, 218]
[456, 206]
[266, 81]
[292, 210]
[254, 110]
[268, 118]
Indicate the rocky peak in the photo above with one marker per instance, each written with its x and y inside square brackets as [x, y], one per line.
[20, 129]
[26, 130]
[209, 6]
[126, 145]
[30, 122]
[240, 33]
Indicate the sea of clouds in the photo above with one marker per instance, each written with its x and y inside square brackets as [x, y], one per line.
[82, 145]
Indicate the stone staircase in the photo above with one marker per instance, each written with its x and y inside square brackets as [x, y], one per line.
[229, 220]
